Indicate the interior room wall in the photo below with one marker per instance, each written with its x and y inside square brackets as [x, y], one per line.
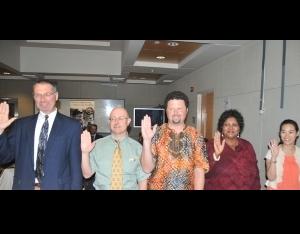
[235, 80]
[135, 95]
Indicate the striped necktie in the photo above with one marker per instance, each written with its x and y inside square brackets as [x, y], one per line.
[39, 172]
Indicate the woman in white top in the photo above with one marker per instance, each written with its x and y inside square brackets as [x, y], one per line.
[283, 159]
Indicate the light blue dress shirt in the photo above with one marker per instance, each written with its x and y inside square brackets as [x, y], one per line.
[101, 162]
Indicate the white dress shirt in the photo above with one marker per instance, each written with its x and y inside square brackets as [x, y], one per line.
[38, 128]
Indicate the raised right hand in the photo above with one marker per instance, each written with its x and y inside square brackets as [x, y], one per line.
[147, 131]
[86, 142]
[274, 147]
[218, 146]
[4, 118]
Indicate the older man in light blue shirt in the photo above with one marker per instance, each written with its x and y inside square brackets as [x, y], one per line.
[97, 157]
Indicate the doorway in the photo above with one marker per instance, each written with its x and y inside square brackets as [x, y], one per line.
[205, 107]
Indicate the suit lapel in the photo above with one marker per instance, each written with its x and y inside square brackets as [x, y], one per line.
[30, 137]
[55, 132]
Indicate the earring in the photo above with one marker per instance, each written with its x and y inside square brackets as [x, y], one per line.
[238, 135]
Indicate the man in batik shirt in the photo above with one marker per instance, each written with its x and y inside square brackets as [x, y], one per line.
[174, 153]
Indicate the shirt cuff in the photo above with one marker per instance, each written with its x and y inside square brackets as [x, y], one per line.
[216, 158]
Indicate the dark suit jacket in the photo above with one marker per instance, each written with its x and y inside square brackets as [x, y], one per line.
[62, 165]
[97, 136]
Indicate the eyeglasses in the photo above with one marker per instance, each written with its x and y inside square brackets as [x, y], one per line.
[46, 95]
[119, 118]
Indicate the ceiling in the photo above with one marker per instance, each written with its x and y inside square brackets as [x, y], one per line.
[138, 61]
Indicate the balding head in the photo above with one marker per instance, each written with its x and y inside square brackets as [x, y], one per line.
[119, 121]
[119, 111]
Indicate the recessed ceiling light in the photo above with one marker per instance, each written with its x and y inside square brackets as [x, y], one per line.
[29, 75]
[142, 78]
[168, 81]
[173, 43]
[160, 57]
[6, 73]
[130, 81]
[118, 78]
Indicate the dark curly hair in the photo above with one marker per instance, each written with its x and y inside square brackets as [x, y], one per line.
[178, 96]
[231, 113]
[288, 121]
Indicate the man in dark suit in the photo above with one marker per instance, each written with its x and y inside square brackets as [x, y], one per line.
[92, 128]
[61, 161]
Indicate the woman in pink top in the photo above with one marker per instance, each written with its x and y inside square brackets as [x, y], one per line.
[283, 159]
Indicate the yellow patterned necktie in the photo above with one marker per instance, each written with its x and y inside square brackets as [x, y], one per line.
[117, 169]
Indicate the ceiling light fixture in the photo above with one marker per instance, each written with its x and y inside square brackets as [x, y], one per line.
[160, 57]
[173, 43]
[29, 75]
[6, 73]
[118, 78]
[156, 42]
[168, 81]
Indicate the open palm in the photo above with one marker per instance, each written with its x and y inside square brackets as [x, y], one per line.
[273, 145]
[218, 145]
[4, 119]
[86, 142]
[147, 131]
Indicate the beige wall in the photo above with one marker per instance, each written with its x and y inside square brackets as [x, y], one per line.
[22, 90]
[236, 78]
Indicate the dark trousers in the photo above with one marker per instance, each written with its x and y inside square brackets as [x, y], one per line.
[88, 183]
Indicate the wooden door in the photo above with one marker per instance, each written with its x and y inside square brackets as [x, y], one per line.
[205, 107]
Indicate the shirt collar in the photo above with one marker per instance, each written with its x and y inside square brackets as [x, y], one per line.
[120, 140]
[51, 115]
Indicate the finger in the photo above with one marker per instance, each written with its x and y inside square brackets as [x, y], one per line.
[272, 142]
[219, 136]
[83, 136]
[154, 128]
[145, 122]
[11, 120]
[142, 124]
[216, 137]
[4, 108]
[148, 121]
[86, 136]
[215, 142]
[216, 149]
[143, 127]
[216, 146]
[270, 145]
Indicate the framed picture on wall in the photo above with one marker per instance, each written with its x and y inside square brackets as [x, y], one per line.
[94, 111]
[13, 106]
